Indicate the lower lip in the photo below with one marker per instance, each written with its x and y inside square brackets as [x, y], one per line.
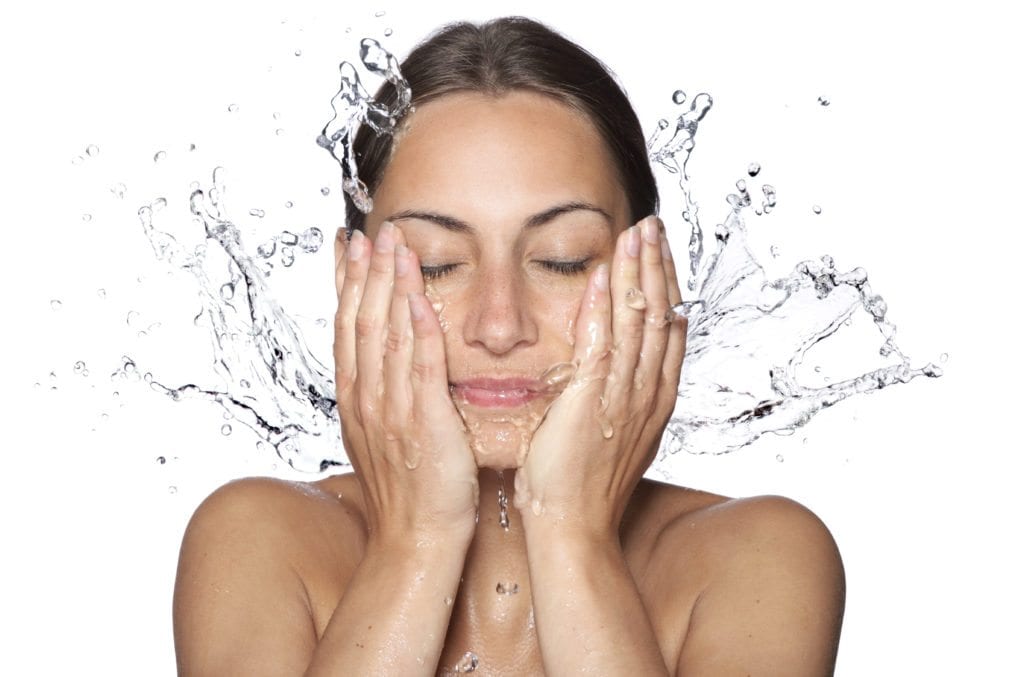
[503, 399]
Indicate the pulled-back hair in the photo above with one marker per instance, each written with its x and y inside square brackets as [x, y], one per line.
[504, 55]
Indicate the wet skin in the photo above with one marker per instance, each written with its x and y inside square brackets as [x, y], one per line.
[506, 214]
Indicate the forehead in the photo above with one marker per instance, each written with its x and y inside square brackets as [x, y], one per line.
[497, 160]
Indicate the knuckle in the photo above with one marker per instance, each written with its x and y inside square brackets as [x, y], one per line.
[365, 325]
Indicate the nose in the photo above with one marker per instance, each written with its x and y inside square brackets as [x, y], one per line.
[498, 318]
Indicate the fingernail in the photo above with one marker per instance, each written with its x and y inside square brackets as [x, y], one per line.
[633, 245]
[666, 250]
[401, 260]
[385, 238]
[356, 245]
[416, 308]
[652, 230]
[602, 277]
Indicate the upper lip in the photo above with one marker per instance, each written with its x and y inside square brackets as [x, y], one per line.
[495, 384]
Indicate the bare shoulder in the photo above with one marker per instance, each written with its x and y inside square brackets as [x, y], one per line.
[242, 597]
[767, 582]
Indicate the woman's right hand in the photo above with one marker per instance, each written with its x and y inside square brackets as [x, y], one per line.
[405, 439]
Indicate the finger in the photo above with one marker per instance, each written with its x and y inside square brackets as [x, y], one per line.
[373, 316]
[677, 341]
[341, 245]
[653, 285]
[593, 335]
[398, 353]
[429, 373]
[628, 307]
[357, 260]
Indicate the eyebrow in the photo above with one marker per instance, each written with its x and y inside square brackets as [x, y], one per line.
[538, 219]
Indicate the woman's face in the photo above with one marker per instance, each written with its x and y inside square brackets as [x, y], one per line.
[510, 203]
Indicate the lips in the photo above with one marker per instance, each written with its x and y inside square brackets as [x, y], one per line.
[498, 393]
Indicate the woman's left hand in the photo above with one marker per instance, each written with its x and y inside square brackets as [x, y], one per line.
[600, 435]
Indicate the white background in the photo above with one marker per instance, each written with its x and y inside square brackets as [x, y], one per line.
[911, 164]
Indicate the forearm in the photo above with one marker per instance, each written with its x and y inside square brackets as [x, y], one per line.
[394, 613]
[589, 616]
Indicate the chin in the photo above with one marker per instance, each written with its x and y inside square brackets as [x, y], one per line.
[500, 444]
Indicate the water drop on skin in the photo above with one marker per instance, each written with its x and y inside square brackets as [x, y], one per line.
[635, 298]
[502, 502]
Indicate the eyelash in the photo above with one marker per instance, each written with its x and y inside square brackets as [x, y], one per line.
[562, 267]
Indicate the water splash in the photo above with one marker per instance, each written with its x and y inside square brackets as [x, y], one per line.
[354, 106]
[747, 334]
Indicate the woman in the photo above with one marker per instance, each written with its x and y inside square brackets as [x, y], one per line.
[505, 368]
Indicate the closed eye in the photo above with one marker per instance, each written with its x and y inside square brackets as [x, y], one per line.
[435, 272]
[566, 267]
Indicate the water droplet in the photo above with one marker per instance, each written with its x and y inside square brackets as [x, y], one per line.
[92, 150]
[298, 52]
[606, 426]
[86, 217]
[823, 101]
[502, 503]
[635, 298]
[226, 429]
[467, 663]
[244, 383]
[325, 191]
[388, 32]
[226, 291]
[817, 209]
[172, 489]
[159, 156]
[56, 304]
[321, 322]
[679, 97]
[77, 160]
[276, 115]
[774, 251]
[266, 249]
[233, 108]
[101, 293]
[259, 213]
[944, 357]
[753, 169]
[742, 186]
[311, 239]
[193, 147]
[79, 366]
[288, 257]
[769, 192]
[161, 460]
[507, 588]
[379, 13]
[279, 131]
[663, 123]
[288, 238]
[148, 378]
[685, 309]
[779, 458]
[448, 601]
[559, 375]
[119, 190]
[289, 204]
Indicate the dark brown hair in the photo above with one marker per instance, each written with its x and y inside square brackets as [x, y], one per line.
[507, 54]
